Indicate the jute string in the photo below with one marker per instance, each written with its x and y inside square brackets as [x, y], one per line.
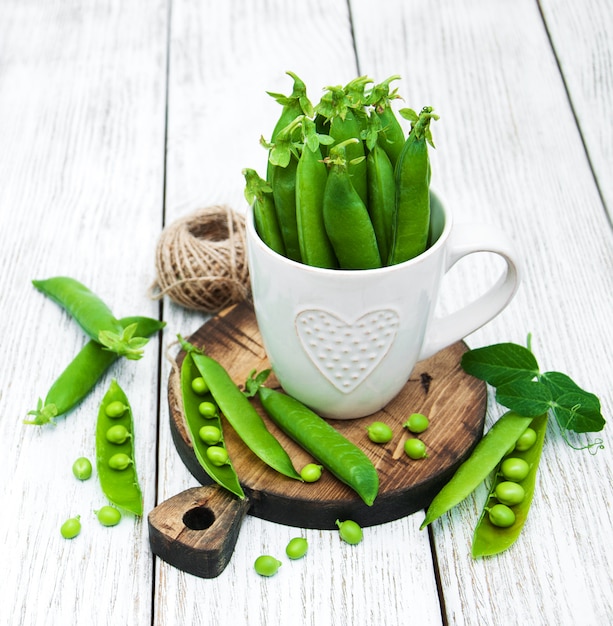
[201, 260]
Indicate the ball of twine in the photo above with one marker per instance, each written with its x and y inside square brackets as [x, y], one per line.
[201, 260]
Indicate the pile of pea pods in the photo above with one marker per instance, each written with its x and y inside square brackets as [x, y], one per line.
[344, 187]
[109, 340]
[208, 392]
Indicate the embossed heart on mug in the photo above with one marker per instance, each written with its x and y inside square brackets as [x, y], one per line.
[346, 352]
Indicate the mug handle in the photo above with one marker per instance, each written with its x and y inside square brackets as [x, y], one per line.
[467, 239]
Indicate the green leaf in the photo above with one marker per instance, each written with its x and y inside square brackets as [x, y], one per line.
[409, 114]
[253, 383]
[500, 364]
[528, 398]
[579, 412]
[559, 383]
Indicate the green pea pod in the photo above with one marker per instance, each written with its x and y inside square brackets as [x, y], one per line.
[311, 177]
[241, 415]
[294, 105]
[258, 194]
[115, 461]
[83, 372]
[381, 197]
[392, 136]
[484, 458]
[336, 107]
[283, 183]
[92, 314]
[345, 128]
[489, 539]
[346, 217]
[224, 475]
[322, 441]
[412, 209]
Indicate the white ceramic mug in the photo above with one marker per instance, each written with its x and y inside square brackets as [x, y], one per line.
[344, 342]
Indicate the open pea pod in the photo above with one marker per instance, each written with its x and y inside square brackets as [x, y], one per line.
[489, 539]
[484, 459]
[115, 451]
[241, 415]
[225, 474]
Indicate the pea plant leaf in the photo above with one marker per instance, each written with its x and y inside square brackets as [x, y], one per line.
[560, 383]
[520, 386]
[528, 398]
[501, 364]
[579, 412]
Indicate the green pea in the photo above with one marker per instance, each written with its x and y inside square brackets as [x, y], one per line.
[71, 527]
[379, 432]
[199, 386]
[311, 472]
[526, 440]
[417, 423]
[117, 434]
[501, 515]
[115, 409]
[350, 531]
[415, 448]
[267, 565]
[207, 409]
[509, 493]
[217, 455]
[82, 468]
[297, 548]
[514, 469]
[108, 515]
[210, 435]
[120, 461]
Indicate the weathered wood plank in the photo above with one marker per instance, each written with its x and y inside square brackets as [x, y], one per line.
[82, 126]
[224, 56]
[581, 39]
[509, 153]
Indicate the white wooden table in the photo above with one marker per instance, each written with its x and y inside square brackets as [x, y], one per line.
[118, 117]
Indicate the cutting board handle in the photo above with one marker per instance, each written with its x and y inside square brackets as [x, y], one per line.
[196, 530]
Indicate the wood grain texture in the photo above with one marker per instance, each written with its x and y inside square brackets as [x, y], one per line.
[509, 152]
[82, 126]
[223, 59]
[581, 43]
[406, 486]
[197, 529]
[523, 90]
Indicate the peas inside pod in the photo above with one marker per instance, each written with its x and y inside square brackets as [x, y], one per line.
[117, 434]
[203, 421]
[511, 492]
[514, 469]
[115, 451]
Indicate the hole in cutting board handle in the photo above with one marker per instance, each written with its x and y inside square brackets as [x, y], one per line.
[199, 518]
[197, 529]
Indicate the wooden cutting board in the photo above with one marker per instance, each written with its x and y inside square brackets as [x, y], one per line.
[454, 402]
